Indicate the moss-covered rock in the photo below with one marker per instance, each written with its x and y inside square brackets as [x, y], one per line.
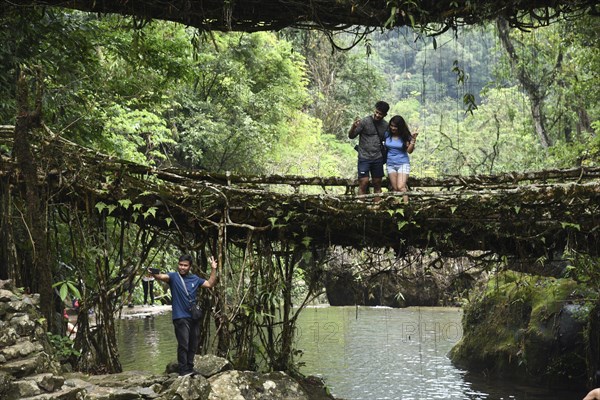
[527, 327]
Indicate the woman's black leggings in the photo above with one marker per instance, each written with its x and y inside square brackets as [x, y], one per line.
[148, 287]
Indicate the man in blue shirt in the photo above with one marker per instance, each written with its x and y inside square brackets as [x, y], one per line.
[184, 286]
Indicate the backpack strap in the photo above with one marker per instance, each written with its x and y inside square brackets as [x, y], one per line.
[381, 137]
[185, 288]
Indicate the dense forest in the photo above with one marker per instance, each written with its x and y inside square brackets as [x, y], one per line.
[486, 99]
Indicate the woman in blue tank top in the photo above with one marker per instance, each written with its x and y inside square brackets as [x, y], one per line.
[400, 143]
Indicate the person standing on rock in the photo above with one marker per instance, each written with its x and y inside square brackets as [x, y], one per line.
[184, 286]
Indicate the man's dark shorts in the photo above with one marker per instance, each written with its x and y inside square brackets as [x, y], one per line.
[374, 167]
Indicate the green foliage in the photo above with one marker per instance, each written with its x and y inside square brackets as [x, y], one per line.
[61, 43]
[244, 95]
[584, 152]
[493, 139]
[137, 135]
[305, 150]
[67, 287]
[550, 63]
[584, 268]
[343, 85]
[63, 346]
[409, 108]
[161, 93]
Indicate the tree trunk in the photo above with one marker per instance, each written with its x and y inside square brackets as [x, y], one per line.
[531, 87]
[583, 124]
[537, 114]
[7, 260]
[35, 201]
[289, 259]
[222, 307]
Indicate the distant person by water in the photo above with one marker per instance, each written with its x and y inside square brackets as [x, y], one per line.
[184, 286]
[148, 286]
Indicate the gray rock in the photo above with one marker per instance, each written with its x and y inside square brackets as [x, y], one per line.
[570, 324]
[247, 385]
[33, 301]
[63, 394]
[33, 364]
[8, 335]
[77, 381]
[21, 349]
[49, 382]
[171, 368]
[21, 367]
[5, 380]
[22, 388]
[146, 386]
[7, 295]
[19, 306]
[106, 393]
[23, 325]
[7, 284]
[209, 365]
[151, 392]
[188, 388]
[126, 379]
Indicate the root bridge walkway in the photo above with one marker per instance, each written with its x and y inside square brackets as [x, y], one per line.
[519, 214]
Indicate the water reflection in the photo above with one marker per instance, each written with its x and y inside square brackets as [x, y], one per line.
[384, 353]
[147, 344]
[363, 353]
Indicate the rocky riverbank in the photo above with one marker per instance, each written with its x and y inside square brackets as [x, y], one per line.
[534, 329]
[29, 369]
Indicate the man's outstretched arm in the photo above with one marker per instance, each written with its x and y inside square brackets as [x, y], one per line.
[160, 277]
[212, 280]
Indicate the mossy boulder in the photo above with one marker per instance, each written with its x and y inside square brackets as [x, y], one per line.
[527, 327]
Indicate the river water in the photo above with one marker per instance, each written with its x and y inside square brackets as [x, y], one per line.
[363, 353]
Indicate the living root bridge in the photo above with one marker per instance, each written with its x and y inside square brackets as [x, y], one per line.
[329, 15]
[520, 214]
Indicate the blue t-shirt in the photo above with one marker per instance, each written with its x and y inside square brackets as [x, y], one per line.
[396, 153]
[181, 301]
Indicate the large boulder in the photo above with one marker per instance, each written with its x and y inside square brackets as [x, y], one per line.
[248, 385]
[209, 365]
[206, 365]
[343, 289]
[34, 385]
[527, 327]
[382, 289]
[187, 388]
[384, 279]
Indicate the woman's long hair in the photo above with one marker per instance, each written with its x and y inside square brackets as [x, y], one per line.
[402, 129]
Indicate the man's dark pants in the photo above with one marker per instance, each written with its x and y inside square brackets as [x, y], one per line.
[187, 332]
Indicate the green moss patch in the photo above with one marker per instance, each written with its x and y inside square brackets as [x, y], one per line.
[527, 327]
